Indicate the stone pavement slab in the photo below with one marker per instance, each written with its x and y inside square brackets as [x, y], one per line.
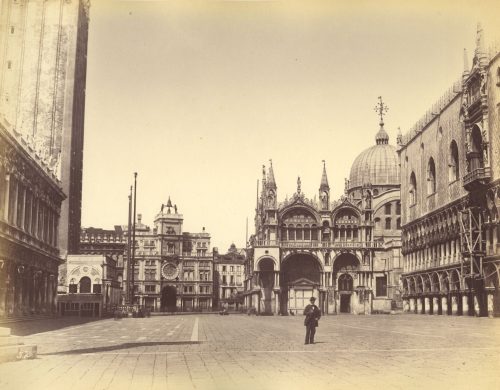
[243, 352]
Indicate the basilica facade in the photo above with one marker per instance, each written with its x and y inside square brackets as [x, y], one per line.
[450, 192]
[345, 253]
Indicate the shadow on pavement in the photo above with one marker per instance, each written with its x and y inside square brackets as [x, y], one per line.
[26, 328]
[109, 348]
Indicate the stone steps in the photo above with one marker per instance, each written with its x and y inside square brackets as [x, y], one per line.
[12, 347]
[22, 318]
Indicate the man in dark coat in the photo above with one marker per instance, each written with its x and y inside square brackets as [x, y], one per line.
[312, 314]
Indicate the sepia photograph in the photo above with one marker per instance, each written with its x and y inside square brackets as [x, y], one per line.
[249, 194]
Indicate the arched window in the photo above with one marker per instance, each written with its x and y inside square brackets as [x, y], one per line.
[413, 189]
[85, 283]
[388, 209]
[314, 232]
[388, 224]
[307, 233]
[398, 223]
[377, 223]
[431, 177]
[476, 156]
[398, 208]
[298, 234]
[453, 164]
[345, 282]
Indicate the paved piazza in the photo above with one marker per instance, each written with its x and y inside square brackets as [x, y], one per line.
[241, 352]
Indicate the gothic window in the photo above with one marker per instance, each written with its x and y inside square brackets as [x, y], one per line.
[388, 209]
[398, 208]
[388, 224]
[398, 223]
[413, 189]
[431, 177]
[453, 164]
[345, 282]
[476, 156]
[377, 223]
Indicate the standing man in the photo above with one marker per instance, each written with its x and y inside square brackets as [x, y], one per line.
[313, 315]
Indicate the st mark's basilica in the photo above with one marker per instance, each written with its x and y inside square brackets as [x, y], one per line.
[346, 252]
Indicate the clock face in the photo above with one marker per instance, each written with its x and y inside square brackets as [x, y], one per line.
[170, 271]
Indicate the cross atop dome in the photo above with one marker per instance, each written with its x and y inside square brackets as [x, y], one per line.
[381, 109]
[382, 137]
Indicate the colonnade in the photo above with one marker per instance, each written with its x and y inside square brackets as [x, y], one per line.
[27, 290]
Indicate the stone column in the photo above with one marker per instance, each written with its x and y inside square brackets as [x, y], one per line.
[477, 310]
[435, 305]
[406, 306]
[419, 305]
[465, 305]
[444, 305]
[3, 289]
[489, 299]
[277, 302]
[427, 306]
[412, 305]
[7, 197]
[454, 305]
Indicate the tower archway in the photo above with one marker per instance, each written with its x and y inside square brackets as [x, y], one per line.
[267, 283]
[168, 300]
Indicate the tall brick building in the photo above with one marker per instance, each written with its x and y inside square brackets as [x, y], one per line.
[43, 61]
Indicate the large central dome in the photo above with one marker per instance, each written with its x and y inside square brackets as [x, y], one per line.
[377, 165]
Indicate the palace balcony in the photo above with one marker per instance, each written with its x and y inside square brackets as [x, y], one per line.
[477, 178]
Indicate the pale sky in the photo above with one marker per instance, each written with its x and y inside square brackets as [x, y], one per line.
[195, 98]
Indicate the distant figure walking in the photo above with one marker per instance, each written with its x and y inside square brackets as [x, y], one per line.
[313, 315]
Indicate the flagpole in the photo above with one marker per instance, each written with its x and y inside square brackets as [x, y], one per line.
[129, 260]
[133, 240]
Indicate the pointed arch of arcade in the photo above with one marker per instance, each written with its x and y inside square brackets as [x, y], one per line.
[455, 284]
[435, 285]
[444, 280]
[406, 287]
[345, 207]
[491, 276]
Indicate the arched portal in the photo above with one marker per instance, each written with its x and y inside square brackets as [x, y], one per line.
[345, 290]
[345, 269]
[85, 284]
[300, 280]
[169, 299]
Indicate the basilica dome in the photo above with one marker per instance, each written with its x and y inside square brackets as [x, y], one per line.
[377, 165]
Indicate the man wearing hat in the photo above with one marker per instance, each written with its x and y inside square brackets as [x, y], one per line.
[312, 314]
